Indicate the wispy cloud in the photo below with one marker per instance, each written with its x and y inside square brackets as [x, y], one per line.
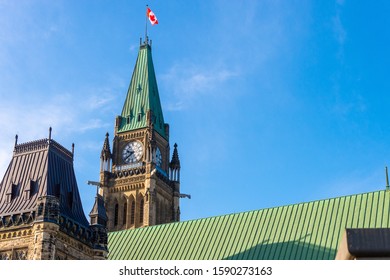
[22, 21]
[31, 119]
[339, 30]
[189, 82]
[5, 156]
[353, 183]
[100, 101]
[344, 109]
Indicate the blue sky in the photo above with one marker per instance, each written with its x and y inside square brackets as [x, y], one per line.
[270, 102]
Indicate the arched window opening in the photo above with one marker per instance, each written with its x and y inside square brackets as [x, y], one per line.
[125, 213]
[132, 214]
[116, 214]
[141, 211]
[162, 212]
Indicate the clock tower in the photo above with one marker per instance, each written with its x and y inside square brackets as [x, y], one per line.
[139, 183]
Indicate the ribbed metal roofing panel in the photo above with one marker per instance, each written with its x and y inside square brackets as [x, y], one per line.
[310, 230]
[182, 249]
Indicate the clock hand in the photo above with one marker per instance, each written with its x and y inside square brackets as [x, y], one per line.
[129, 154]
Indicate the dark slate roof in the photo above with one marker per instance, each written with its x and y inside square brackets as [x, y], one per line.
[310, 230]
[38, 169]
[99, 211]
[373, 242]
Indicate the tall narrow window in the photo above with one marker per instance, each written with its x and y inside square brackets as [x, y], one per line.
[159, 216]
[125, 213]
[163, 213]
[14, 191]
[141, 211]
[70, 199]
[33, 187]
[132, 214]
[57, 190]
[116, 214]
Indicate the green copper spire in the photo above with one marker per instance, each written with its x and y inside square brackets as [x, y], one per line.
[142, 106]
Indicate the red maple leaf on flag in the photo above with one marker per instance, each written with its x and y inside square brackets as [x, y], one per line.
[152, 17]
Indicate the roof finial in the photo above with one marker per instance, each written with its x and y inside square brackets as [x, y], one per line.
[387, 179]
[49, 133]
[72, 150]
[16, 140]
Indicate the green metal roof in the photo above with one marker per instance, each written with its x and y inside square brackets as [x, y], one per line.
[310, 230]
[142, 96]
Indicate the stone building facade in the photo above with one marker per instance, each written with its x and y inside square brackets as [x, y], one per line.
[41, 216]
[139, 183]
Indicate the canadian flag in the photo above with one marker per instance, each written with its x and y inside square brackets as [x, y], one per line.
[151, 16]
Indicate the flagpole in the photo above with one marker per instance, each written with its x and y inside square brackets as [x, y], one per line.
[146, 25]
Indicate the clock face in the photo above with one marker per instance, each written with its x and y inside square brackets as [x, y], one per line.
[132, 152]
[158, 157]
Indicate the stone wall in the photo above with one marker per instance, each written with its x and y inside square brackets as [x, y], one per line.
[44, 241]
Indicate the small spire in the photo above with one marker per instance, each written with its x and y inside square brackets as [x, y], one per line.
[175, 162]
[72, 150]
[106, 153]
[387, 179]
[49, 133]
[16, 140]
[98, 215]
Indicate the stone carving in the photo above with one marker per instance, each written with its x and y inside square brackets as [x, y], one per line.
[20, 254]
[5, 256]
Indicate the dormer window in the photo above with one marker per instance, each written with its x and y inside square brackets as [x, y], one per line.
[139, 117]
[33, 188]
[57, 190]
[70, 199]
[14, 191]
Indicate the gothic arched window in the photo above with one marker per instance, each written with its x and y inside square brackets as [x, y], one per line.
[125, 213]
[132, 213]
[141, 211]
[116, 214]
